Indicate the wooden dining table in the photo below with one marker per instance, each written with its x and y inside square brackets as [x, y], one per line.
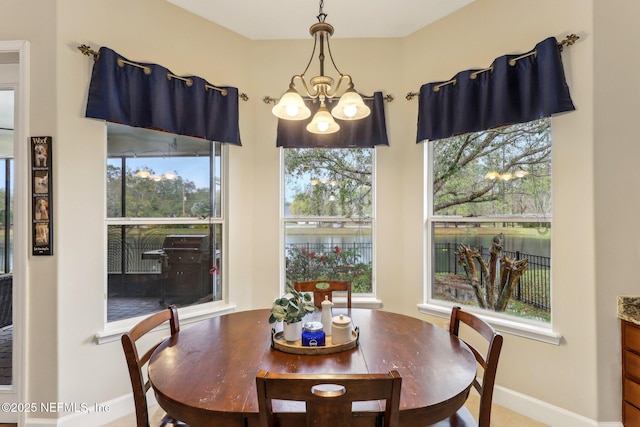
[204, 375]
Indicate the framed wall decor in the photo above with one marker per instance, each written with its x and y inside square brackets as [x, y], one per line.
[42, 203]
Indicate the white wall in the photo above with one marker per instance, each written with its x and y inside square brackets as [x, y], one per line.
[66, 307]
[617, 180]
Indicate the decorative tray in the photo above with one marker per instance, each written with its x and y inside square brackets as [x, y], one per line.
[295, 347]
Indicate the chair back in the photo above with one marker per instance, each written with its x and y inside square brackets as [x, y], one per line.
[135, 362]
[488, 360]
[320, 288]
[329, 397]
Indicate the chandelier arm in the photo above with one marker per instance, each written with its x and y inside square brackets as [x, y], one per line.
[304, 86]
[335, 90]
[331, 57]
[313, 52]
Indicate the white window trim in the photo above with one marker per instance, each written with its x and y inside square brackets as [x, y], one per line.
[187, 315]
[357, 300]
[190, 314]
[508, 324]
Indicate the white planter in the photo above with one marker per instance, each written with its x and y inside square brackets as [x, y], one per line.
[292, 331]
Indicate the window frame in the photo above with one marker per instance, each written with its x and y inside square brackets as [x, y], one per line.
[194, 312]
[527, 328]
[360, 300]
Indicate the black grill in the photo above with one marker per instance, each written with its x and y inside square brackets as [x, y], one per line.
[185, 260]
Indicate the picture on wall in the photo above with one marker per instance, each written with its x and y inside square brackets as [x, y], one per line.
[41, 174]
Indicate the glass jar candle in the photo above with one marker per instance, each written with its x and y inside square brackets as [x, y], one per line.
[313, 335]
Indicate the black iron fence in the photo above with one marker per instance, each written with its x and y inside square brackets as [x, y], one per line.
[363, 249]
[533, 288]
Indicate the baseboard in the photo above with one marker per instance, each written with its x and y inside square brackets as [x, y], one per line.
[544, 412]
[98, 415]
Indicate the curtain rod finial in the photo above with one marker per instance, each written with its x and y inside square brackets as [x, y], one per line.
[411, 95]
[568, 41]
[86, 50]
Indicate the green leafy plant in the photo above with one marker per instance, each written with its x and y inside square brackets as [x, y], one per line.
[292, 307]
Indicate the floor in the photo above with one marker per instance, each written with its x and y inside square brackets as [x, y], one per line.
[122, 308]
[6, 350]
[500, 417]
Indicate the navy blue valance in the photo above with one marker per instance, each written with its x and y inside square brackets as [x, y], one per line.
[152, 97]
[363, 133]
[477, 100]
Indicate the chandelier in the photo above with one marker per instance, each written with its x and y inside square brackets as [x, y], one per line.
[321, 89]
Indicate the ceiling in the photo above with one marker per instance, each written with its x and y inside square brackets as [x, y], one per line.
[291, 19]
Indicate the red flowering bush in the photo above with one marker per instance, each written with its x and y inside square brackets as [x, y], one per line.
[326, 264]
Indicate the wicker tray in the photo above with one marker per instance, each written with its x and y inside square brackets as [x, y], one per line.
[279, 343]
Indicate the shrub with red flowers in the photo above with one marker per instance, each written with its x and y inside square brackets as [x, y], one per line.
[304, 263]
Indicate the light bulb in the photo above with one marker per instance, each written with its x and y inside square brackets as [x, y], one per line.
[350, 110]
[322, 122]
[292, 110]
[350, 107]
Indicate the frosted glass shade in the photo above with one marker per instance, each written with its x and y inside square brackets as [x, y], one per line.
[291, 107]
[350, 107]
[323, 122]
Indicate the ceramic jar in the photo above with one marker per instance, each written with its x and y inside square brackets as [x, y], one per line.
[326, 315]
[341, 329]
[292, 331]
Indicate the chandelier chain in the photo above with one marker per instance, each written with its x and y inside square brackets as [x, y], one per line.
[321, 15]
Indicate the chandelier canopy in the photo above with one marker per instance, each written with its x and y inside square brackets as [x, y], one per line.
[321, 89]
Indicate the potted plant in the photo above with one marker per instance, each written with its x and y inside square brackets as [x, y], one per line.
[290, 309]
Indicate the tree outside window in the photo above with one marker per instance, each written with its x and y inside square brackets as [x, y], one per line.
[328, 216]
[492, 189]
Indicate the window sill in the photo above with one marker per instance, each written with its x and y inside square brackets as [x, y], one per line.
[521, 329]
[114, 330]
[357, 302]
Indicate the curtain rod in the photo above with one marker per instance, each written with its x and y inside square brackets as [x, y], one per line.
[269, 100]
[568, 41]
[86, 50]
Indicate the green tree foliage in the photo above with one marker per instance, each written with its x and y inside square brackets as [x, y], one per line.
[461, 164]
[326, 182]
[147, 198]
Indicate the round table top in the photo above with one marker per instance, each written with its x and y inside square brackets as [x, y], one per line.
[206, 372]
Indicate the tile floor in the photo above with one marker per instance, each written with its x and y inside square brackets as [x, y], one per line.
[122, 308]
[500, 417]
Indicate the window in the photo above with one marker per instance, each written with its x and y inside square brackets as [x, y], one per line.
[6, 180]
[492, 190]
[164, 221]
[328, 215]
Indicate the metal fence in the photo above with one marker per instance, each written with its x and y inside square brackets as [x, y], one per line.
[363, 249]
[533, 288]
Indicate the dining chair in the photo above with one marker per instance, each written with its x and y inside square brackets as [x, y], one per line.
[320, 288]
[487, 360]
[135, 363]
[328, 398]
